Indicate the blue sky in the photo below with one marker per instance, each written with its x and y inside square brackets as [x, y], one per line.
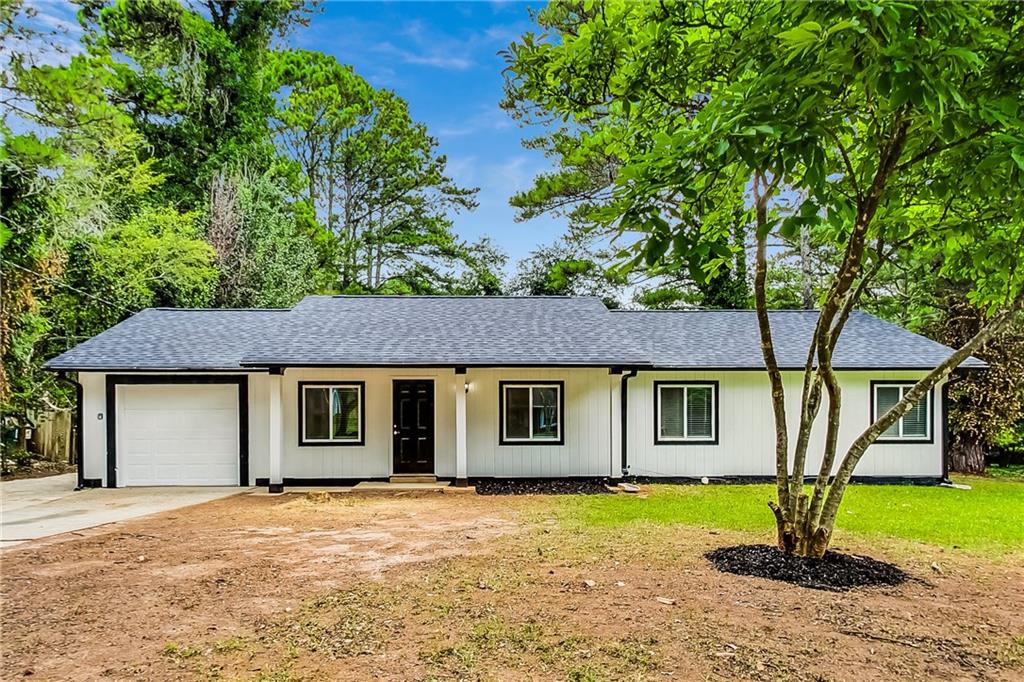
[442, 57]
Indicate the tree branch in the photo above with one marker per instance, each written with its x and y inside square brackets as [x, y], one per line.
[859, 446]
[762, 193]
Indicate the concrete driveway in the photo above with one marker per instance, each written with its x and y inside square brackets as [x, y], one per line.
[39, 507]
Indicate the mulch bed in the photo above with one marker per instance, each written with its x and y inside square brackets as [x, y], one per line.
[541, 486]
[834, 572]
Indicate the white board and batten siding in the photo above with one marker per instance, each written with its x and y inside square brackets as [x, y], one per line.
[586, 423]
[590, 423]
[94, 425]
[373, 459]
[746, 431]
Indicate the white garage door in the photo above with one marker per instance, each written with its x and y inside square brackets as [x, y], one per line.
[177, 434]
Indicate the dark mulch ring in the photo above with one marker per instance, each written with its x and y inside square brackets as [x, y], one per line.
[541, 486]
[834, 572]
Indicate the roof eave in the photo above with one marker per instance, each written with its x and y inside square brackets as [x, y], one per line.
[617, 362]
[140, 368]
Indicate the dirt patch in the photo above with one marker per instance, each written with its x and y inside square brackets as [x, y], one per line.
[835, 571]
[468, 587]
[107, 601]
[542, 486]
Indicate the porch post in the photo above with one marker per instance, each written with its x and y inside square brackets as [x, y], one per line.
[461, 388]
[276, 482]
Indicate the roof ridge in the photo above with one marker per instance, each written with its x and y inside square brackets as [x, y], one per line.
[715, 310]
[219, 310]
[456, 296]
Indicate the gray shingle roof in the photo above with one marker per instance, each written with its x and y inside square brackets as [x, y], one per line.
[729, 339]
[171, 339]
[480, 331]
[468, 330]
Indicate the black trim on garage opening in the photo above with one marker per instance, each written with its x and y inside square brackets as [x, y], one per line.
[242, 381]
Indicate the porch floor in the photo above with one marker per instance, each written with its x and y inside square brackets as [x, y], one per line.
[387, 485]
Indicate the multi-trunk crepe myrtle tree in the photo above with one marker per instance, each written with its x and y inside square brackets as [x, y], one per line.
[899, 125]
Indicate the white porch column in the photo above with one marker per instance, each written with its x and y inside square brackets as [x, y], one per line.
[461, 388]
[276, 482]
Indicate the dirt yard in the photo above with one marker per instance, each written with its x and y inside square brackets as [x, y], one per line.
[465, 587]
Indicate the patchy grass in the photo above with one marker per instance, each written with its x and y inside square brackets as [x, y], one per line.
[178, 651]
[500, 641]
[984, 520]
[565, 591]
[229, 644]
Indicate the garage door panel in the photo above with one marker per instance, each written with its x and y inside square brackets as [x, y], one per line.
[179, 422]
[178, 434]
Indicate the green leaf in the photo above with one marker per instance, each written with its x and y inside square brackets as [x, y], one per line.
[1017, 154]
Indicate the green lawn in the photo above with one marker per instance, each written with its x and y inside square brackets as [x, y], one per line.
[987, 519]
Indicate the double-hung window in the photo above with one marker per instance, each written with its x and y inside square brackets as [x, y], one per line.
[915, 425]
[531, 413]
[331, 413]
[686, 412]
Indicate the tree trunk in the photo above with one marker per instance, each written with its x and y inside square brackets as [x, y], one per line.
[798, 534]
[967, 456]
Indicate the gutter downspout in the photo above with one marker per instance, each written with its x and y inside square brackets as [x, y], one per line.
[79, 436]
[624, 418]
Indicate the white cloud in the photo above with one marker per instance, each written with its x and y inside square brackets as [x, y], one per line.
[59, 23]
[487, 119]
[434, 56]
[463, 169]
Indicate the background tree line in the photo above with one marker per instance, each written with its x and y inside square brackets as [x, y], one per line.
[870, 153]
[184, 158]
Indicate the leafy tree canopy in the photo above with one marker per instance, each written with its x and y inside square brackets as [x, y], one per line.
[869, 111]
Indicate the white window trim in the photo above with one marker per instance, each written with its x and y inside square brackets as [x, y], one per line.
[686, 438]
[531, 439]
[903, 388]
[330, 404]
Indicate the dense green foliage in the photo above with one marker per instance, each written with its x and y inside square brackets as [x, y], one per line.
[846, 126]
[182, 158]
[569, 267]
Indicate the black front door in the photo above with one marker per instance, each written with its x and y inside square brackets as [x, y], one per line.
[413, 420]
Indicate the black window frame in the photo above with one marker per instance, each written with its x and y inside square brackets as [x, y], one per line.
[930, 407]
[560, 385]
[659, 440]
[332, 443]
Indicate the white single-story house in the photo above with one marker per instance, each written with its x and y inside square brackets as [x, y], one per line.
[342, 389]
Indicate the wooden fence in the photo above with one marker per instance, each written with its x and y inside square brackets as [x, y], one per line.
[52, 439]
